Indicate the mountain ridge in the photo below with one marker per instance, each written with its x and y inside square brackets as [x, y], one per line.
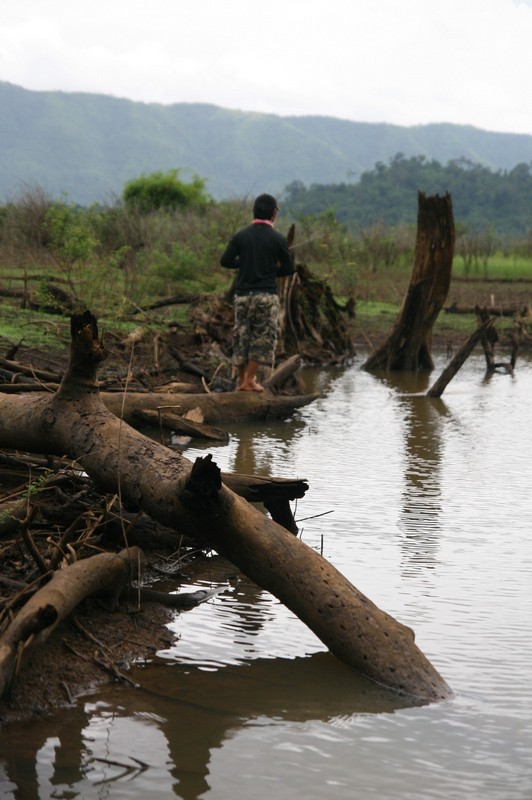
[87, 146]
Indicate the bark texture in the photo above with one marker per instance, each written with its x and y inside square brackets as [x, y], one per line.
[215, 407]
[409, 345]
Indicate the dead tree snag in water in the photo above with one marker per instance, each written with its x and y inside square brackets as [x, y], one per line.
[409, 345]
[437, 388]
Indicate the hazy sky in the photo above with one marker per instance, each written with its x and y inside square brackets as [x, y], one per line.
[407, 62]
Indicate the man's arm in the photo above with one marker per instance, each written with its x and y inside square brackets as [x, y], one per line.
[229, 257]
[286, 261]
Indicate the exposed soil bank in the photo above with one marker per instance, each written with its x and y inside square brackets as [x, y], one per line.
[72, 664]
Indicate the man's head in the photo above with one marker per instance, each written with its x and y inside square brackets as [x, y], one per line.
[264, 207]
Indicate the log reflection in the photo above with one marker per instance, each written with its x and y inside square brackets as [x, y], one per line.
[421, 506]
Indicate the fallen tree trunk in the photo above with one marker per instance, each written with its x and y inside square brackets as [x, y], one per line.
[215, 407]
[192, 500]
[179, 424]
[494, 311]
[409, 345]
[106, 573]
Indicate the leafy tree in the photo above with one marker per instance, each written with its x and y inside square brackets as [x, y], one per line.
[164, 191]
[71, 233]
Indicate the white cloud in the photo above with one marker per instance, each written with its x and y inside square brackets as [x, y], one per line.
[408, 62]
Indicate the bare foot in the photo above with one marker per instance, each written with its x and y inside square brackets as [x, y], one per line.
[252, 386]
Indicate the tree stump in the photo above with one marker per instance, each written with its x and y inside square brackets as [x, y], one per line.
[409, 345]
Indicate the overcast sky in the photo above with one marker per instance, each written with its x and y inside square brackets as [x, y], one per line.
[406, 62]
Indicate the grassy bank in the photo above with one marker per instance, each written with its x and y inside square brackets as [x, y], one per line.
[116, 261]
[378, 300]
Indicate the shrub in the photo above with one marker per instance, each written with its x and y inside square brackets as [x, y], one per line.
[161, 190]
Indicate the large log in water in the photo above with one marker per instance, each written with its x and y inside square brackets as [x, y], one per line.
[192, 499]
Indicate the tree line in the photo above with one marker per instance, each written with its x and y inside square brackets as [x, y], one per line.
[482, 199]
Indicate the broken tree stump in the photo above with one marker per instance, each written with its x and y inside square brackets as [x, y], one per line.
[409, 345]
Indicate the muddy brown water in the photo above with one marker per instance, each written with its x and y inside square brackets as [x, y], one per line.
[426, 506]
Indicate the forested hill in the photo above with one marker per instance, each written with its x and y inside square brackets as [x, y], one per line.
[482, 199]
[88, 146]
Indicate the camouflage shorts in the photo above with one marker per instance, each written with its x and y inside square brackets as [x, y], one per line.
[255, 331]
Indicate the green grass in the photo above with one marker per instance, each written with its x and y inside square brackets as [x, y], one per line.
[33, 328]
[36, 329]
[498, 268]
[112, 293]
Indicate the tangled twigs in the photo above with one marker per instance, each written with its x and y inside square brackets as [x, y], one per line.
[28, 541]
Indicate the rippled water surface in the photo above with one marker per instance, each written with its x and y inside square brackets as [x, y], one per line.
[426, 507]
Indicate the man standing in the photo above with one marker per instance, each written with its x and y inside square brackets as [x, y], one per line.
[260, 254]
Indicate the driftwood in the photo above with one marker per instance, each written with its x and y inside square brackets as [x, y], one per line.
[311, 322]
[27, 369]
[489, 339]
[192, 499]
[17, 388]
[179, 424]
[182, 600]
[409, 345]
[275, 494]
[216, 407]
[284, 371]
[438, 388]
[175, 300]
[106, 573]
[493, 311]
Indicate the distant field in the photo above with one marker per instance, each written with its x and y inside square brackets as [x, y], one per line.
[508, 286]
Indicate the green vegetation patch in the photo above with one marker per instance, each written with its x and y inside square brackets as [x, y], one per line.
[33, 328]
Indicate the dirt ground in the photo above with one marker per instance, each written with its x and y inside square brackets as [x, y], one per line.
[71, 663]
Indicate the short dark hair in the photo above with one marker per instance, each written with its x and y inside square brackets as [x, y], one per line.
[264, 206]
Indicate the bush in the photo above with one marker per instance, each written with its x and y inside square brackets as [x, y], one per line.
[160, 191]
